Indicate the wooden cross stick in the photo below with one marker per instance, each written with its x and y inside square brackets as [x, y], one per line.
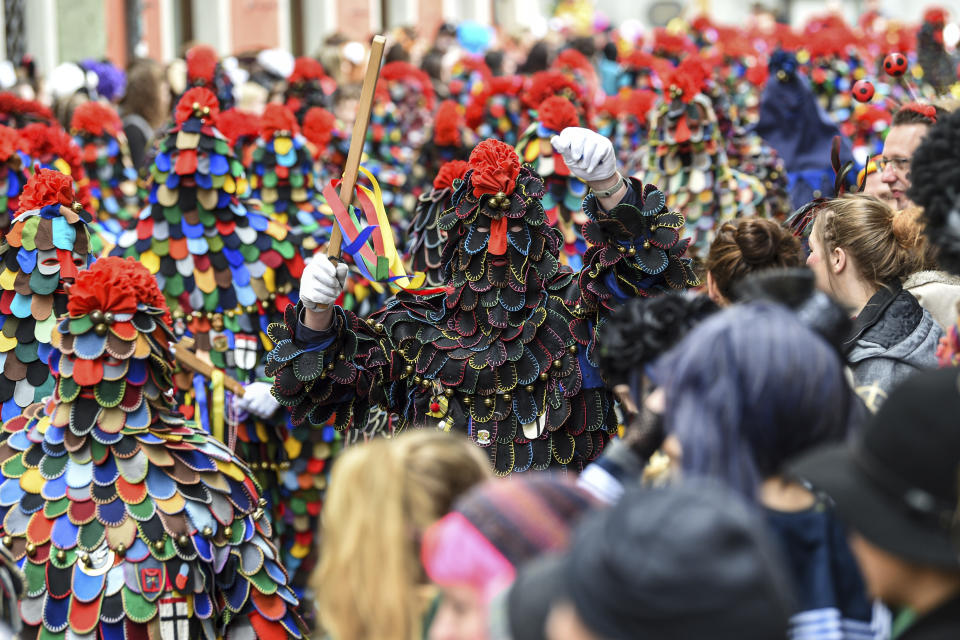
[351, 169]
[190, 360]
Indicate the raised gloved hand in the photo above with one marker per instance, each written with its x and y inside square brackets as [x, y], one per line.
[322, 282]
[258, 400]
[587, 154]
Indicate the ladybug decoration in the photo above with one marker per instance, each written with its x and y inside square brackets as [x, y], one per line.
[863, 91]
[895, 64]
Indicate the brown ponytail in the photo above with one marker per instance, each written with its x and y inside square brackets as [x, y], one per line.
[884, 245]
[751, 244]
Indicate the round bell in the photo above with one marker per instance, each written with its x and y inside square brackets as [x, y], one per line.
[96, 317]
[100, 329]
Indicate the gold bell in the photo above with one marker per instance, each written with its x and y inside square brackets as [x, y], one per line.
[258, 514]
[228, 531]
[544, 376]
[31, 549]
[96, 317]
[633, 251]
[207, 532]
[100, 329]
[61, 555]
[183, 539]
[556, 364]
[206, 111]
[109, 318]
[195, 106]
[262, 502]
[341, 357]
[529, 388]
[466, 401]
[378, 327]
[507, 397]
[158, 545]
[646, 245]
[77, 207]
[8, 541]
[371, 322]
[572, 349]
[121, 549]
[621, 249]
[488, 402]
[448, 392]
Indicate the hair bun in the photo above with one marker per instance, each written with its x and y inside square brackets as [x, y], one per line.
[759, 241]
[907, 228]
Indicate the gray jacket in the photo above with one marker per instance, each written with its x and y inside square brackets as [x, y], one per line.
[891, 338]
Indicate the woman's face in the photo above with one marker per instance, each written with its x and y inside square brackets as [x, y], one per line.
[462, 615]
[819, 263]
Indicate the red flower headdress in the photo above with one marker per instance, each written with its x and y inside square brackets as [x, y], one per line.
[544, 84]
[46, 187]
[13, 104]
[450, 171]
[306, 69]
[115, 285]
[556, 113]
[201, 64]
[197, 102]
[495, 167]
[446, 124]
[236, 124]
[318, 126]
[8, 142]
[400, 71]
[276, 119]
[95, 118]
[639, 103]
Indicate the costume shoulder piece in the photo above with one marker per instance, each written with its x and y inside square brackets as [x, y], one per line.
[426, 237]
[45, 248]
[126, 520]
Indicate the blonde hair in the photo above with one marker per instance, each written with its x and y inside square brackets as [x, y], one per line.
[383, 495]
[884, 246]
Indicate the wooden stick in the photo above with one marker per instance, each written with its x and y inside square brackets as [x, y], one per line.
[189, 359]
[358, 138]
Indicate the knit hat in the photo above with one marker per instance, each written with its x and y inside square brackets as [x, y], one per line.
[499, 526]
[687, 561]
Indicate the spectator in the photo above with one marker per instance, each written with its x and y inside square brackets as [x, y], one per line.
[383, 495]
[859, 251]
[897, 489]
[743, 247]
[473, 553]
[144, 107]
[689, 561]
[745, 391]
[910, 124]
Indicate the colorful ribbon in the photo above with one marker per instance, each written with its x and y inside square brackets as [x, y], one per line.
[379, 260]
[217, 405]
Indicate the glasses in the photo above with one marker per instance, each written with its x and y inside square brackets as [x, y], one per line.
[900, 165]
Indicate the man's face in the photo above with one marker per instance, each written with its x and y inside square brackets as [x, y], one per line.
[898, 149]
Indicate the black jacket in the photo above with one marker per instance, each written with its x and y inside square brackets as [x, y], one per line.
[943, 623]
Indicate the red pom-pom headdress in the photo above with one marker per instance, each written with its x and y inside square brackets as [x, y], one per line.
[556, 113]
[46, 187]
[11, 103]
[236, 125]
[115, 285]
[306, 69]
[639, 103]
[495, 167]
[450, 171]
[96, 118]
[201, 64]
[687, 80]
[544, 84]
[197, 102]
[400, 71]
[446, 124]
[318, 126]
[277, 119]
[8, 142]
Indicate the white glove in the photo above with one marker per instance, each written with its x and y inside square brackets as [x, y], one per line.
[587, 154]
[258, 400]
[322, 282]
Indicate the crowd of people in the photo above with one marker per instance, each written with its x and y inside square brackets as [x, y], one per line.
[634, 333]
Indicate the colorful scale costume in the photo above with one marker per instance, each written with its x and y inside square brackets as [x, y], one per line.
[53, 148]
[505, 354]
[308, 86]
[426, 236]
[687, 156]
[282, 179]
[564, 192]
[98, 132]
[46, 246]
[127, 521]
[496, 112]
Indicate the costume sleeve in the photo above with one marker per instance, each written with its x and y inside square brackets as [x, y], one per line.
[635, 249]
[339, 371]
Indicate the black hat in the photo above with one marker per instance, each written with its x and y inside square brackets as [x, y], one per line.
[686, 561]
[897, 484]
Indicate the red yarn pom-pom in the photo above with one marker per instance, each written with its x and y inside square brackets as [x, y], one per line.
[495, 168]
[446, 125]
[46, 187]
[450, 171]
[198, 102]
[277, 118]
[556, 113]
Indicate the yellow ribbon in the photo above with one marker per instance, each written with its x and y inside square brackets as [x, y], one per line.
[397, 269]
[216, 405]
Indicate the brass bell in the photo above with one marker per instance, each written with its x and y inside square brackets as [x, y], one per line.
[228, 531]
[466, 401]
[195, 106]
[544, 376]
[408, 369]
[632, 251]
[285, 465]
[371, 322]
[646, 245]
[556, 364]
[96, 317]
[158, 545]
[252, 308]
[31, 549]
[183, 539]
[262, 502]
[77, 207]
[507, 397]
[572, 349]
[341, 357]
[109, 318]
[488, 402]
[100, 329]
[331, 366]
[378, 327]
[121, 549]
[61, 556]
[529, 388]
[207, 532]
[621, 249]
[448, 392]
[258, 514]
[8, 541]
[417, 379]
[86, 560]
[206, 111]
